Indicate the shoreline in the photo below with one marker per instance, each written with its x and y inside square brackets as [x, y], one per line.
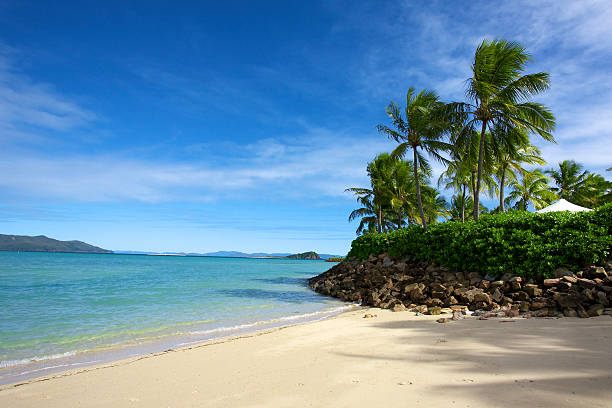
[392, 358]
[59, 363]
[181, 348]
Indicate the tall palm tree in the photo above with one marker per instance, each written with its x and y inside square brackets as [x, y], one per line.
[417, 128]
[499, 98]
[569, 178]
[511, 159]
[531, 187]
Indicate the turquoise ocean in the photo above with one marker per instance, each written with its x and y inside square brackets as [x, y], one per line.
[62, 311]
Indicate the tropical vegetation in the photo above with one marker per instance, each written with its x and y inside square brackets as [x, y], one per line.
[484, 144]
[522, 243]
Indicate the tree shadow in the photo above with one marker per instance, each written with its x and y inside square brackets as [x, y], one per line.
[535, 362]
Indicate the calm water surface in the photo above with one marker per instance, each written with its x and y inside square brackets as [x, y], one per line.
[61, 311]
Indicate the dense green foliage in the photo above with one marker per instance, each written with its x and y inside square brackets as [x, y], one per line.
[522, 243]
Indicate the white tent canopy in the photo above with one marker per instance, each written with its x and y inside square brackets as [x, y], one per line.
[563, 205]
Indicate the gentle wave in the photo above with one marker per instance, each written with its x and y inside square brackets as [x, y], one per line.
[12, 363]
[305, 316]
[272, 321]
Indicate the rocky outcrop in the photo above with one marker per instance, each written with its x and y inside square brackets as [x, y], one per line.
[397, 284]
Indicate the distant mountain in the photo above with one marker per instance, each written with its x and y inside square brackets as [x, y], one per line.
[236, 254]
[42, 243]
[311, 255]
[227, 254]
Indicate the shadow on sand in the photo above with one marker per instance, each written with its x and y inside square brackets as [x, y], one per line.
[524, 363]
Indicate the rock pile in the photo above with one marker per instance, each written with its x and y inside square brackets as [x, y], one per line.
[396, 284]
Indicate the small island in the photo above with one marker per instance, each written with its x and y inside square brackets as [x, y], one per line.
[311, 255]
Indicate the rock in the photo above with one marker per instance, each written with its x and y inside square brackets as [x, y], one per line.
[497, 284]
[570, 279]
[581, 312]
[398, 307]
[567, 300]
[597, 272]
[436, 310]
[538, 305]
[586, 283]
[533, 290]
[551, 282]
[420, 309]
[497, 295]
[564, 286]
[512, 313]
[602, 298]
[596, 310]
[482, 297]
[410, 287]
[506, 277]
[457, 315]
[561, 272]
[459, 308]
[368, 316]
[442, 320]
[570, 312]
[524, 306]
[387, 262]
[372, 258]
[541, 313]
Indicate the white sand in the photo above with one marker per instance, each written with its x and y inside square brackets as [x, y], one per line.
[393, 360]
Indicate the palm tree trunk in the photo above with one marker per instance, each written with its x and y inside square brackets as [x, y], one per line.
[463, 204]
[418, 186]
[472, 184]
[480, 160]
[501, 189]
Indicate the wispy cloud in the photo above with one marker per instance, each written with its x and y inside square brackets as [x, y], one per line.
[28, 108]
[321, 163]
[430, 45]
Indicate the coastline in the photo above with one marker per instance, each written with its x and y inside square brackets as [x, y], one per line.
[31, 369]
[393, 358]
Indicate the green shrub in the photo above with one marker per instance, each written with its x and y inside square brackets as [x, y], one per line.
[525, 244]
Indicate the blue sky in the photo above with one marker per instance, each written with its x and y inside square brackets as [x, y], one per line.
[177, 126]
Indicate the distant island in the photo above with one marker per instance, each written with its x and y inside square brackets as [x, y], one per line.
[311, 255]
[42, 243]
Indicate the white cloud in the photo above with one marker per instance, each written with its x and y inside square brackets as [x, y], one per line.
[320, 163]
[26, 105]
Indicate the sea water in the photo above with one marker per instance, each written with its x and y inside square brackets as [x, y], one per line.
[62, 311]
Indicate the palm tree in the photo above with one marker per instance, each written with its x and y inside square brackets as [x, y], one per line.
[570, 177]
[372, 217]
[434, 205]
[390, 199]
[511, 158]
[531, 187]
[499, 98]
[416, 128]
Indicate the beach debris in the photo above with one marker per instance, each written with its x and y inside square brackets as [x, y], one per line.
[369, 316]
[404, 383]
[443, 320]
[457, 315]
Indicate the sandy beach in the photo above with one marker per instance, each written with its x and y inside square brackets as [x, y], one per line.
[393, 359]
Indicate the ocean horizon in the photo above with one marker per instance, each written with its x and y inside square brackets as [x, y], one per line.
[69, 310]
